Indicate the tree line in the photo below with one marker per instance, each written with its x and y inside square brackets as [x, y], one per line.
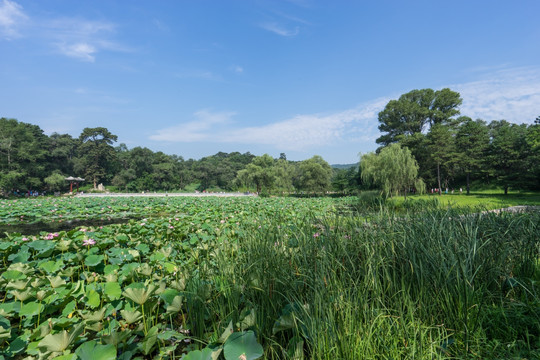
[424, 142]
[448, 150]
[31, 160]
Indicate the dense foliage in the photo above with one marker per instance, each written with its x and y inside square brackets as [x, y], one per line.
[452, 150]
[31, 160]
[273, 278]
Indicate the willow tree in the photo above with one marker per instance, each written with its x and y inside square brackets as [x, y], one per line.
[394, 170]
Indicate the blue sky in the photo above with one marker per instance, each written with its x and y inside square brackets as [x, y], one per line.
[301, 77]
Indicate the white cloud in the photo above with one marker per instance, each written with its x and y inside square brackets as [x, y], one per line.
[238, 69]
[198, 74]
[279, 29]
[512, 94]
[308, 131]
[80, 38]
[81, 51]
[298, 133]
[11, 16]
[201, 129]
[74, 37]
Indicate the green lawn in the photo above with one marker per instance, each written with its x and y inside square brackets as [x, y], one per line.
[486, 199]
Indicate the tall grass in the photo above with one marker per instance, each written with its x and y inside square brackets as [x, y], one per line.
[412, 284]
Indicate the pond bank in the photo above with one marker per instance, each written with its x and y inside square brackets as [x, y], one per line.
[86, 195]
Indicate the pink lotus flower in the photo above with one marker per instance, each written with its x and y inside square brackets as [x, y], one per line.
[89, 242]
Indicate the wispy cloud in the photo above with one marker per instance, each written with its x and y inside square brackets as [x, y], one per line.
[303, 132]
[198, 74]
[282, 23]
[280, 29]
[80, 38]
[512, 94]
[237, 69]
[201, 129]
[11, 17]
[74, 37]
[81, 51]
[300, 132]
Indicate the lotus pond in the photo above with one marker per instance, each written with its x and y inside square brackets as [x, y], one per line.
[277, 278]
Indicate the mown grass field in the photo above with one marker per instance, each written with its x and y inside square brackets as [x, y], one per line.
[487, 199]
[272, 278]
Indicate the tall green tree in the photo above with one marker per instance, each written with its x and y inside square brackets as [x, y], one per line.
[472, 141]
[415, 112]
[442, 152]
[97, 153]
[394, 170]
[261, 172]
[314, 175]
[508, 153]
[62, 152]
[23, 155]
[533, 140]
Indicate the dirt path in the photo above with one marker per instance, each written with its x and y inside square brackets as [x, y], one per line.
[164, 194]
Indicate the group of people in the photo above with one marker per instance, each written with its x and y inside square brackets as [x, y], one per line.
[437, 190]
[28, 193]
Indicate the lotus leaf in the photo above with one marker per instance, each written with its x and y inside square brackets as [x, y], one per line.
[8, 308]
[22, 267]
[5, 329]
[22, 295]
[31, 309]
[143, 248]
[51, 266]
[97, 327]
[42, 294]
[227, 332]
[93, 316]
[138, 295]
[176, 305]
[287, 319]
[66, 357]
[168, 295]
[59, 342]
[13, 275]
[116, 337]
[170, 334]
[43, 247]
[157, 257]
[248, 321]
[242, 346]
[16, 346]
[110, 269]
[92, 298]
[91, 350]
[130, 316]
[204, 354]
[17, 284]
[56, 281]
[112, 290]
[145, 269]
[149, 340]
[93, 260]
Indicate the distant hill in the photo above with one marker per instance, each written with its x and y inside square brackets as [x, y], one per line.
[344, 166]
